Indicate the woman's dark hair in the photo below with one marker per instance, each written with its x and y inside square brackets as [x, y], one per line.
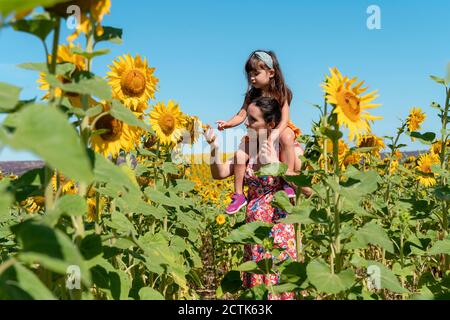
[277, 87]
[270, 109]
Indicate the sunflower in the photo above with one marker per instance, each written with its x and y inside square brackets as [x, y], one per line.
[33, 204]
[193, 128]
[371, 141]
[97, 10]
[424, 163]
[352, 159]
[13, 177]
[350, 106]
[64, 55]
[132, 81]
[393, 167]
[68, 186]
[415, 119]
[343, 149]
[167, 122]
[410, 162]
[436, 147]
[220, 219]
[398, 154]
[211, 191]
[92, 205]
[119, 135]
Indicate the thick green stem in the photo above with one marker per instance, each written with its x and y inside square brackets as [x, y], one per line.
[54, 55]
[49, 200]
[90, 42]
[155, 170]
[328, 205]
[443, 158]
[325, 142]
[393, 149]
[55, 45]
[337, 218]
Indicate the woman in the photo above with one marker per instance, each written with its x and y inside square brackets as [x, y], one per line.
[264, 114]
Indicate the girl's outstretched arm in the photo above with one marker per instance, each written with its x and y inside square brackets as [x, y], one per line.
[233, 122]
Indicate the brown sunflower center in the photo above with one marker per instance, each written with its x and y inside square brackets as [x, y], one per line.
[350, 104]
[111, 124]
[426, 167]
[368, 142]
[167, 124]
[133, 83]
[64, 80]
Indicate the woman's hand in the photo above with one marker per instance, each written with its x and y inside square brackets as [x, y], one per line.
[222, 125]
[211, 138]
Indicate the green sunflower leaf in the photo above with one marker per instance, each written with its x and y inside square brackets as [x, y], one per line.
[46, 132]
[122, 113]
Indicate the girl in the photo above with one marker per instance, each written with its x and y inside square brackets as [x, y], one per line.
[265, 79]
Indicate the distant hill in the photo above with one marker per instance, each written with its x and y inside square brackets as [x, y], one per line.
[20, 167]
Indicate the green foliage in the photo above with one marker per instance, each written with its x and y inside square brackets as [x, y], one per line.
[9, 96]
[9, 6]
[320, 275]
[145, 232]
[45, 131]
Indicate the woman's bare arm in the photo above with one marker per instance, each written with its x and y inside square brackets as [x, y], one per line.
[219, 170]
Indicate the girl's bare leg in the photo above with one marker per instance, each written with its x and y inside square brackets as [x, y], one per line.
[239, 172]
[288, 155]
[240, 164]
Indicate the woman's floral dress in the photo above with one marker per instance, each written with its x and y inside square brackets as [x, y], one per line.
[260, 194]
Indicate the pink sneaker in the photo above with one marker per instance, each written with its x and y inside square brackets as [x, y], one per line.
[238, 201]
[289, 191]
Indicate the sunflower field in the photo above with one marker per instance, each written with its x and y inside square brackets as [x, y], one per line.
[113, 216]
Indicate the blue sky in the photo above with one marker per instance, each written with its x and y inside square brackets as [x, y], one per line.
[199, 49]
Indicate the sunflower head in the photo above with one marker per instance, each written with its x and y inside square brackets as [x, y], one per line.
[371, 141]
[92, 208]
[112, 126]
[64, 55]
[168, 122]
[392, 168]
[114, 135]
[193, 127]
[436, 147]
[342, 147]
[132, 81]
[96, 9]
[398, 154]
[343, 150]
[349, 102]
[67, 186]
[352, 159]
[410, 162]
[220, 219]
[425, 175]
[415, 119]
[33, 204]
